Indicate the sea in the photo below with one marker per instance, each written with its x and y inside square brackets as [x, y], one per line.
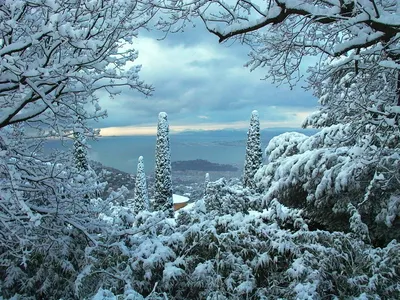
[222, 146]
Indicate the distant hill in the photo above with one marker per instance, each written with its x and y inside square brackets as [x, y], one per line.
[115, 178]
[188, 177]
[201, 165]
[243, 132]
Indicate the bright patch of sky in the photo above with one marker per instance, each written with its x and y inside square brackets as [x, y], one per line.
[202, 85]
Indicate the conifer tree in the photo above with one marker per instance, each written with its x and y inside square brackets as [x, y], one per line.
[163, 183]
[253, 151]
[206, 181]
[80, 152]
[141, 198]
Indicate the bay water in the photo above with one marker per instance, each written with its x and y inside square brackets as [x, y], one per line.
[223, 147]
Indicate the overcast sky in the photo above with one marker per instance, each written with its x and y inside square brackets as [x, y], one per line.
[202, 85]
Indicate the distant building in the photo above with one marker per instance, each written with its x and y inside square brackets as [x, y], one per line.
[179, 201]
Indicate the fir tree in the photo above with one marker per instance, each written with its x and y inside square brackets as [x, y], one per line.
[163, 184]
[253, 151]
[141, 198]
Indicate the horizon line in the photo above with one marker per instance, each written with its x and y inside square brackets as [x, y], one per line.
[151, 130]
[172, 132]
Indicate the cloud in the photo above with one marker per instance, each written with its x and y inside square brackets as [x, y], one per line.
[199, 82]
[284, 117]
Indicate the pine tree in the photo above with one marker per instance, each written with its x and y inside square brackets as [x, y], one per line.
[141, 198]
[163, 183]
[80, 152]
[253, 151]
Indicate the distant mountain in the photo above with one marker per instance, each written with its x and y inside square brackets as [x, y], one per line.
[184, 181]
[235, 132]
[201, 165]
[213, 133]
[115, 178]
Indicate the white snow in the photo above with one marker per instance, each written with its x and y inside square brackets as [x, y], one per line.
[104, 295]
[179, 199]
[188, 206]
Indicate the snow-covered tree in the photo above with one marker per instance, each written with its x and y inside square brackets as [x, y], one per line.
[326, 174]
[54, 56]
[80, 151]
[163, 182]
[212, 197]
[282, 33]
[253, 159]
[141, 198]
[229, 197]
[354, 163]
[241, 256]
[206, 181]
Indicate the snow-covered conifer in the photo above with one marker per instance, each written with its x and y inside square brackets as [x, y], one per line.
[141, 198]
[253, 151]
[163, 183]
[206, 181]
[80, 152]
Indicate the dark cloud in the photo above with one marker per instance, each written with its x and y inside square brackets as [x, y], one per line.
[197, 80]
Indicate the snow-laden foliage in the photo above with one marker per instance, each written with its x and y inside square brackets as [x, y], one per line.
[54, 55]
[284, 33]
[253, 160]
[206, 181]
[129, 294]
[225, 197]
[325, 173]
[163, 182]
[354, 163]
[46, 217]
[353, 160]
[80, 151]
[141, 197]
[261, 255]
[57, 241]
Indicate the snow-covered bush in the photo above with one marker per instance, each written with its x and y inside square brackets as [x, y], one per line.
[241, 255]
[225, 197]
[325, 173]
